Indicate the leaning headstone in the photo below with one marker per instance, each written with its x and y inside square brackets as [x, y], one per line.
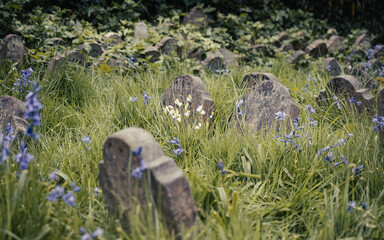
[197, 17]
[151, 53]
[197, 109]
[135, 171]
[258, 109]
[380, 111]
[335, 44]
[252, 79]
[213, 63]
[296, 56]
[332, 66]
[111, 39]
[12, 48]
[363, 43]
[92, 49]
[167, 45]
[12, 111]
[348, 89]
[229, 57]
[141, 30]
[316, 49]
[57, 62]
[364, 79]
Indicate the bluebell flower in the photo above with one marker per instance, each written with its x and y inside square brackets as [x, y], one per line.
[358, 169]
[309, 78]
[305, 88]
[87, 236]
[340, 142]
[310, 109]
[133, 99]
[238, 104]
[5, 142]
[146, 97]
[175, 141]
[178, 151]
[23, 82]
[351, 206]
[222, 71]
[328, 68]
[296, 122]
[23, 157]
[221, 167]
[364, 205]
[33, 106]
[138, 171]
[96, 191]
[132, 61]
[55, 194]
[69, 199]
[74, 187]
[280, 115]
[336, 102]
[86, 139]
[375, 128]
[53, 176]
[323, 150]
[291, 79]
[329, 157]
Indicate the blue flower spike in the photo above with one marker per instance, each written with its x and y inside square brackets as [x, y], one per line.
[221, 167]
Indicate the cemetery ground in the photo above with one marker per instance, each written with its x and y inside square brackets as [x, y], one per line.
[303, 164]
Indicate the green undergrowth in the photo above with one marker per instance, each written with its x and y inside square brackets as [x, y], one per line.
[271, 190]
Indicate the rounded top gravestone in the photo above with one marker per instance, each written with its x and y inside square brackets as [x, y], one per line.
[12, 48]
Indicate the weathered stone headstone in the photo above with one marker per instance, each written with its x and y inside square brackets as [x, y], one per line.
[280, 38]
[141, 30]
[196, 54]
[122, 190]
[213, 63]
[363, 42]
[259, 48]
[197, 17]
[252, 79]
[167, 45]
[12, 111]
[316, 49]
[345, 88]
[75, 56]
[151, 53]
[12, 48]
[299, 40]
[331, 65]
[259, 107]
[380, 110]
[183, 86]
[285, 47]
[111, 39]
[229, 57]
[95, 51]
[335, 44]
[364, 79]
[296, 56]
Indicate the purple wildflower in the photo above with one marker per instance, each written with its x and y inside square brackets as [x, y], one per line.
[221, 167]
[280, 115]
[53, 176]
[69, 199]
[55, 194]
[86, 139]
[132, 99]
[74, 187]
[23, 157]
[351, 206]
[146, 97]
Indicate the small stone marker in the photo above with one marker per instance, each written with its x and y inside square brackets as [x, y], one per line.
[259, 108]
[12, 111]
[346, 87]
[12, 48]
[252, 79]
[75, 56]
[335, 44]
[280, 38]
[197, 17]
[363, 42]
[285, 47]
[380, 110]
[151, 53]
[296, 56]
[168, 187]
[141, 30]
[213, 63]
[229, 57]
[183, 86]
[316, 49]
[95, 51]
[167, 45]
[111, 39]
[331, 65]
[364, 79]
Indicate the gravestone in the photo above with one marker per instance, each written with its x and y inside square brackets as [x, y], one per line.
[197, 17]
[252, 79]
[331, 65]
[316, 49]
[259, 108]
[363, 78]
[112, 59]
[196, 54]
[346, 87]
[167, 45]
[12, 111]
[75, 56]
[141, 30]
[183, 86]
[151, 53]
[380, 110]
[280, 38]
[285, 47]
[111, 39]
[299, 40]
[296, 56]
[229, 57]
[259, 48]
[95, 51]
[363, 42]
[169, 188]
[213, 63]
[12, 48]
[335, 44]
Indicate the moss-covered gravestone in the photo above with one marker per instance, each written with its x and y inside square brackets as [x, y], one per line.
[316, 49]
[167, 45]
[332, 66]
[135, 171]
[12, 48]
